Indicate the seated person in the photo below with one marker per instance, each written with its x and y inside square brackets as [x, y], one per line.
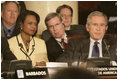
[96, 45]
[26, 46]
[66, 13]
[9, 13]
[57, 43]
[6, 54]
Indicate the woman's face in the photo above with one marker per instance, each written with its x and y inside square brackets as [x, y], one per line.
[30, 25]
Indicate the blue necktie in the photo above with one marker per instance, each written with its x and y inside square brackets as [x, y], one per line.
[95, 52]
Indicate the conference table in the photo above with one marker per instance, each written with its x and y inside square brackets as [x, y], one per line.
[45, 73]
[105, 72]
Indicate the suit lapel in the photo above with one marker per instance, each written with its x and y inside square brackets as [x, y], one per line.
[2, 31]
[85, 48]
[104, 45]
[57, 46]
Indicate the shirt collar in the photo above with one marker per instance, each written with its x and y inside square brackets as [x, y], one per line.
[69, 28]
[65, 38]
[6, 30]
[92, 41]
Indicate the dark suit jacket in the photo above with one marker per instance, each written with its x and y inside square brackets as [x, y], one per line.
[6, 54]
[53, 49]
[15, 32]
[78, 49]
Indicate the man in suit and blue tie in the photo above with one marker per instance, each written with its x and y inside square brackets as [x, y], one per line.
[95, 45]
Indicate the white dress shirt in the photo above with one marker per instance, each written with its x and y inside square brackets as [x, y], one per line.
[59, 40]
[91, 47]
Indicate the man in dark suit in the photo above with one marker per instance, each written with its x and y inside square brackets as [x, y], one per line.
[79, 49]
[6, 54]
[66, 13]
[57, 43]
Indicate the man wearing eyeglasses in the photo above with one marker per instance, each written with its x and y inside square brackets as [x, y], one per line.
[57, 43]
[66, 13]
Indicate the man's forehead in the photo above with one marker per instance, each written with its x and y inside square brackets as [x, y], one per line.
[65, 10]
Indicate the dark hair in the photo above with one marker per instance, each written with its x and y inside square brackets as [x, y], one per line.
[22, 6]
[22, 18]
[3, 5]
[28, 12]
[50, 16]
[74, 73]
[64, 6]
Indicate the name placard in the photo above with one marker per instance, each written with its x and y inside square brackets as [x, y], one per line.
[35, 73]
[104, 71]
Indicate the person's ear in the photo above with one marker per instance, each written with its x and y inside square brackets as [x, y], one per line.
[21, 25]
[87, 27]
[106, 28]
[2, 14]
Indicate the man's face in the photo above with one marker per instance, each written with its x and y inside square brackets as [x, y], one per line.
[97, 27]
[56, 27]
[10, 14]
[66, 16]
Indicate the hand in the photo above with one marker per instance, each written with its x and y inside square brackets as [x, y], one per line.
[42, 63]
[83, 64]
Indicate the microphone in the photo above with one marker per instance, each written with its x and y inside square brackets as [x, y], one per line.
[107, 47]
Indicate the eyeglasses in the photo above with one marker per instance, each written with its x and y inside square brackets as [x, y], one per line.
[52, 26]
[63, 15]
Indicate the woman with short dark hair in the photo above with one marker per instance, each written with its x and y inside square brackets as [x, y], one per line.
[26, 46]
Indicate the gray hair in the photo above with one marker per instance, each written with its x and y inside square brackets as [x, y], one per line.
[3, 5]
[96, 13]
